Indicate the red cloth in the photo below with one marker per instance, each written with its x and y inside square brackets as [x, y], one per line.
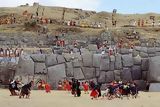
[94, 93]
[47, 88]
[68, 87]
[85, 87]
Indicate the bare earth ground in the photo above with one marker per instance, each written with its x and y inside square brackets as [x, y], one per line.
[64, 99]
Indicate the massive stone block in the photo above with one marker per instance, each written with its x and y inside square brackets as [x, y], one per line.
[51, 60]
[97, 72]
[87, 59]
[102, 77]
[56, 73]
[60, 59]
[141, 85]
[68, 57]
[137, 60]
[77, 63]
[109, 76]
[135, 53]
[78, 74]
[154, 65]
[136, 73]
[92, 47]
[96, 60]
[40, 68]
[117, 75]
[89, 73]
[144, 49]
[145, 64]
[25, 66]
[144, 75]
[38, 57]
[126, 74]
[112, 66]
[143, 55]
[69, 69]
[151, 50]
[104, 63]
[124, 51]
[127, 60]
[118, 62]
[154, 87]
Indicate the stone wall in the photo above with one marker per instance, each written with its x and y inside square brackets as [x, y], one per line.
[126, 65]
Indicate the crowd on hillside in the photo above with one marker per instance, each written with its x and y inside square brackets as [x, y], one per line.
[10, 52]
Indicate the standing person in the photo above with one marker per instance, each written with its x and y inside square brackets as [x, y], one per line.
[73, 87]
[78, 90]
[60, 87]
[85, 87]
[94, 93]
[47, 88]
[1, 52]
[68, 85]
[92, 84]
[99, 89]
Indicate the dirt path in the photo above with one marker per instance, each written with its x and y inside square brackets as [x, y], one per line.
[64, 99]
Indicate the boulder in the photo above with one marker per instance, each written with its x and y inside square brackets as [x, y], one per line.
[127, 60]
[102, 77]
[97, 72]
[151, 50]
[157, 53]
[117, 75]
[137, 48]
[144, 75]
[25, 66]
[68, 57]
[104, 63]
[118, 62]
[157, 49]
[111, 66]
[69, 69]
[136, 73]
[77, 56]
[154, 87]
[144, 49]
[89, 73]
[151, 55]
[126, 74]
[145, 64]
[40, 68]
[92, 47]
[141, 85]
[112, 58]
[78, 74]
[124, 51]
[96, 60]
[77, 63]
[154, 74]
[56, 73]
[60, 59]
[51, 60]
[135, 53]
[137, 60]
[38, 58]
[143, 55]
[109, 76]
[87, 59]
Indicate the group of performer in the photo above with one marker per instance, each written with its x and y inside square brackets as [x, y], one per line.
[115, 89]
